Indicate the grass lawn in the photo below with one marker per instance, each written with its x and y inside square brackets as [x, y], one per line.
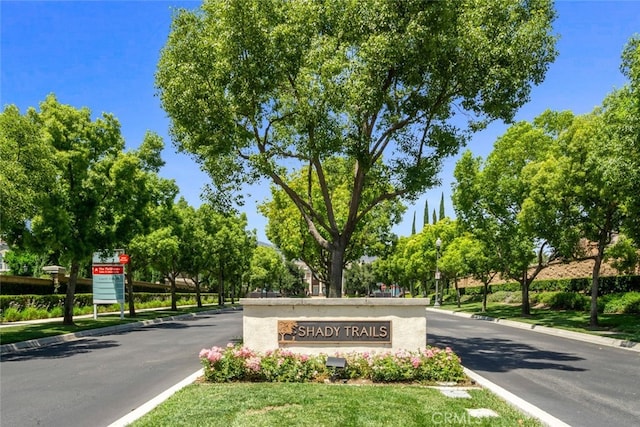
[30, 331]
[313, 404]
[619, 326]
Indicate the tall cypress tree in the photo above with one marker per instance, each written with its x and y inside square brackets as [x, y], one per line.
[435, 218]
[442, 206]
[425, 218]
[413, 225]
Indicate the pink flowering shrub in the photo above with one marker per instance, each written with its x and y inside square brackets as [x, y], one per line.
[237, 363]
[431, 364]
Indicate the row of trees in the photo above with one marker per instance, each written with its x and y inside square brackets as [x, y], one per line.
[69, 189]
[558, 188]
[435, 218]
[562, 184]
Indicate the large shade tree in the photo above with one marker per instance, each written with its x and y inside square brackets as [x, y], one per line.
[70, 211]
[588, 184]
[26, 168]
[578, 191]
[628, 124]
[256, 87]
[228, 250]
[489, 196]
[466, 256]
[138, 190]
[288, 230]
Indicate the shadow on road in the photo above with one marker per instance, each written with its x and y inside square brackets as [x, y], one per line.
[501, 355]
[61, 350]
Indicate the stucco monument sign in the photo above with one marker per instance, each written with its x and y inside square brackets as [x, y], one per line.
[332, 325]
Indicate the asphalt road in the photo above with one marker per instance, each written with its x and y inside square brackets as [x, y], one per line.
[97, 380]
[580, 383]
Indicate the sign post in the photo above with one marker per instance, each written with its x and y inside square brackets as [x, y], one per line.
[108, 281]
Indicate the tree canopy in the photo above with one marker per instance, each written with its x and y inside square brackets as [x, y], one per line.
[72, 196]
[489, 197]
[254, 88]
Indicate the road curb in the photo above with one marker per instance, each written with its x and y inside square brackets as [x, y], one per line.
[147, 407]
[47, 341]
[515, 401]
[593, 339]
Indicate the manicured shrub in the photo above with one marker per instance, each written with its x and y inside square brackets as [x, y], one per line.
[507, 297]
[608, 285]
[237, 363]
[571, 301]
[627, 303]
[51, 305]
[11, 314]
[563, 300]
[33, 313]
[56, 312]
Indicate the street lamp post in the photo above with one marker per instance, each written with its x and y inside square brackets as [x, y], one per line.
[438, 243]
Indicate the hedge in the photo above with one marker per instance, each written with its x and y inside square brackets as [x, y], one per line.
[608, 285]
[48, 302]
[12, 285]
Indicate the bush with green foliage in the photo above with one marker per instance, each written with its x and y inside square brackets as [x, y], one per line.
[608, 285]
[31, 307]
[626, 303]
[507, 297]
[562, 300]
[238, 363]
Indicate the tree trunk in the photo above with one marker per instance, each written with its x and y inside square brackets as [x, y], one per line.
[198, 296]
[457, 292]
[174, 304]
[484, 296]
[132, 307]
[335, 273]
[526, 307]
[221, 288]
[71, 293]
[595, 283]
[233, 291]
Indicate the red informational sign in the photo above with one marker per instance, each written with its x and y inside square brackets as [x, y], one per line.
[124, 259]
[108, 269]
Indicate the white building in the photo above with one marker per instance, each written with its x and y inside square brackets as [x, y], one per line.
[4, 248]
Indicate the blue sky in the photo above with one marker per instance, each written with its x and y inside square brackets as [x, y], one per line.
[103, 55]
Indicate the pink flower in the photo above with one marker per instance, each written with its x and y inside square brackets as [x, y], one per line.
[253, 364]
[203, 353]
[242, 353]
[415, 361]
[230, 345]
[429, 353]
[214, 356]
